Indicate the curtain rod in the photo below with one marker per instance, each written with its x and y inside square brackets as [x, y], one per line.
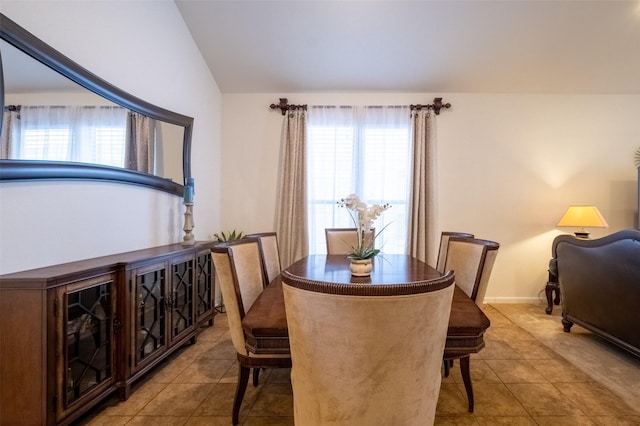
[284, 106]
[436, 106]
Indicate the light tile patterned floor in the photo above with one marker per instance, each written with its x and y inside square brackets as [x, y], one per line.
[517, 380]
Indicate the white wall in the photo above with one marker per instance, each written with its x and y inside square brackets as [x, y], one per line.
[145, 49]
[508, 167]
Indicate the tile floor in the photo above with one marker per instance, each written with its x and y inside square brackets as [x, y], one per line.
[529, 373]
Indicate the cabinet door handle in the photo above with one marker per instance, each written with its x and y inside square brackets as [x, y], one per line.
[168, 303]
[116, 325]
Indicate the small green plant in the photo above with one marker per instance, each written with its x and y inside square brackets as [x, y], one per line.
[363, 252]
[229, 236]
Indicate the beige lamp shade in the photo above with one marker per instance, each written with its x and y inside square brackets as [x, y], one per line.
[583, 217]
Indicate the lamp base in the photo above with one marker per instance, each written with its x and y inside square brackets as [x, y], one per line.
[583, 235]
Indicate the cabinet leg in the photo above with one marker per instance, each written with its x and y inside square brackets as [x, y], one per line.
[125, 392]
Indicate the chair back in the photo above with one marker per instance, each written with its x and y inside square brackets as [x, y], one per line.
[270, 254]
[342, 240]
[472, 260]
[444, 245]
[239, 271]
[366, 354]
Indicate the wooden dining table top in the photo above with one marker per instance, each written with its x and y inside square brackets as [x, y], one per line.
[265, 324]
[390, 269]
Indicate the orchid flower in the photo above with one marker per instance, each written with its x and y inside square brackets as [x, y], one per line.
[363, 218]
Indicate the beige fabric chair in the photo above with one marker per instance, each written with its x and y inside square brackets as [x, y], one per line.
[366, 355]
[239, 271]
[444, 245]
[472, 260]
[270, 254]
[341, 240]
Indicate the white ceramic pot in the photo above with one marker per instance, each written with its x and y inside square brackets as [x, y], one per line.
[361, 267]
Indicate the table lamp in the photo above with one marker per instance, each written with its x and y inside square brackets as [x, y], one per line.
[581, 217]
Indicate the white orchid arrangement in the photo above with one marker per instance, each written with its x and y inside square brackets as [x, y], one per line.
[363, 217]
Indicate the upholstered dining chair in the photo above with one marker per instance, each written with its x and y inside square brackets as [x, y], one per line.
[356, 360]
[342, 240]
[239, 271]
[472, 261]
[444, 245]
[270, 254]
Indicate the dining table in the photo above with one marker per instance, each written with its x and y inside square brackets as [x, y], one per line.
[265, 323]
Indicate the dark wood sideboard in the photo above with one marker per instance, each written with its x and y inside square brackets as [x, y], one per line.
[72, 334]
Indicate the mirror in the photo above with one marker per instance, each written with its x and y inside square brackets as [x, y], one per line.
[33, 76]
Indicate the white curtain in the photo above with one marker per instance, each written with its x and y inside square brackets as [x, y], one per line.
[291, 204]
[364, 150]
[67, 133]
[422, 232]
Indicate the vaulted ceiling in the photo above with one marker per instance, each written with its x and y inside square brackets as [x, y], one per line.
[513, 46]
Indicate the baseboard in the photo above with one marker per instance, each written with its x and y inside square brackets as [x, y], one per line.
[530, 300]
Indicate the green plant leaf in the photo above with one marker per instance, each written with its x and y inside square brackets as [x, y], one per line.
[229, 236]
[363, 252]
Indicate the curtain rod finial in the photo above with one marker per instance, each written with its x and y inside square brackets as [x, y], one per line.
[283, 105]
[438, 105]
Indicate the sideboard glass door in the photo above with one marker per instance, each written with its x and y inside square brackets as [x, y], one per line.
[150, 330]
[90, 344]
[181, 299]
[204, 287]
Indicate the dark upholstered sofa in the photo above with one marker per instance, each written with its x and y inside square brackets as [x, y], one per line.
[600, 285]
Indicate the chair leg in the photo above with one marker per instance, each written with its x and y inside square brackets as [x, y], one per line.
[466, 378]
[256, 376]
[448, 364]
[243, 380]
[549, 290]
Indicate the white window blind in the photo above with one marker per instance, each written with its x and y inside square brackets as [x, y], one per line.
[69, 133]
[46, 144]
[364, 151]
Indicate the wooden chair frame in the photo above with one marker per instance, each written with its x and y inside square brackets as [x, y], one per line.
[246, 361]
[464, 357]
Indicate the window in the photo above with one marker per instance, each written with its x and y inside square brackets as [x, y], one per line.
[45, 144]
[54, 133]
[364, 151]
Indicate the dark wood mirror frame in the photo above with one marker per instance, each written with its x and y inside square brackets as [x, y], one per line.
[15, 170]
